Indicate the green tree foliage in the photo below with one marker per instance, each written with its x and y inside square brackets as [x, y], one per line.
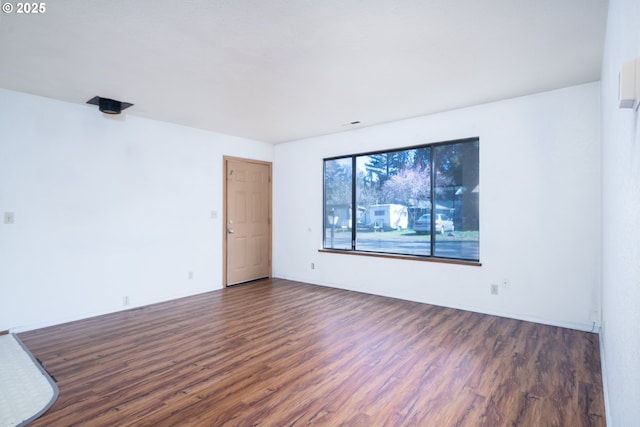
[381, 167]
[404, 177]
[459, 162]
[377, 169]
[366, 192]
[337, 182]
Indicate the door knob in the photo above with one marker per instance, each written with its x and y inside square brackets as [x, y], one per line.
[229, 230]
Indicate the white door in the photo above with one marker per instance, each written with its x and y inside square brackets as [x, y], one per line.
[247, 220]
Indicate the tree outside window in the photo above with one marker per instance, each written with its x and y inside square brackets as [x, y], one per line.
[400, 196]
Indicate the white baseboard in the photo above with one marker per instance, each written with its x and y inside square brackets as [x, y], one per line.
[585, 327]
[87, 315]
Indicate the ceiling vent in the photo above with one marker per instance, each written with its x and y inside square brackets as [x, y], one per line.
[109, 106]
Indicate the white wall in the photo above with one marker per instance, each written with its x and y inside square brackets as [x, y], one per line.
[105, 207]
[540, 210]
[621, 220]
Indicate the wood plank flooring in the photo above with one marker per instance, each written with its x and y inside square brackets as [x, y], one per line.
[283, 353]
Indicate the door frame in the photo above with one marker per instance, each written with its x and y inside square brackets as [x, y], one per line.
[225, 162]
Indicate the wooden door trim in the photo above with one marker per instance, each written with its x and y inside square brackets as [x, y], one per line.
[225, 160]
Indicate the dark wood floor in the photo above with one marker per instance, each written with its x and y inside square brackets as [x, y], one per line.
[282, 353]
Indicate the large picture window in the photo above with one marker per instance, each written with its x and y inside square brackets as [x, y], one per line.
[420, 201]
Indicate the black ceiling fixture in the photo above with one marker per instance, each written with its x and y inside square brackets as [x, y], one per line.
[109, 106]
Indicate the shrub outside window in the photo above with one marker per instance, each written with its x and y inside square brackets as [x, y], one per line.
[390, 202]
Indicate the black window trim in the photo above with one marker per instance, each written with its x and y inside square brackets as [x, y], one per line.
[353, 250]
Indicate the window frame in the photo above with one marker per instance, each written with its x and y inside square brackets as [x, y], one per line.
[432, 210]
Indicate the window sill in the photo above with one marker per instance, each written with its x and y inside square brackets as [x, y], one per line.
[407, 257]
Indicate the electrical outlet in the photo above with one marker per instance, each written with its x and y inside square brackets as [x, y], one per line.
[190, 275]
[313, 265]
[125, 300]
[494, 289]
[505, 283]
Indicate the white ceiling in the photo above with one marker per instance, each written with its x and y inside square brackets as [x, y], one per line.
[281, 70]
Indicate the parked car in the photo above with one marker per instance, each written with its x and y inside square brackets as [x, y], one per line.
[423, 224]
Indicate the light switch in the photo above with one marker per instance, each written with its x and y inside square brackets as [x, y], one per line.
[630, 84]
[9, 218]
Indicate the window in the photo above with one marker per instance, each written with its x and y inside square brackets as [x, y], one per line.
[390, 202]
